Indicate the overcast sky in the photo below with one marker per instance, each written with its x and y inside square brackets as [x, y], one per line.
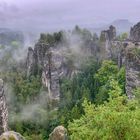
[54, 14]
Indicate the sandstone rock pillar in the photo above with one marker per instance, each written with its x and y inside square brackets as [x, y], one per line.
[3, 109]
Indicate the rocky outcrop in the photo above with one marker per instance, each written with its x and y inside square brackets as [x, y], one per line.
[59, 133]
[3, 109]
[11, 135]
[117, 51]
[47, 60]
[135, 33]
[106, 37]
[127, 54]
[30, 62]
[109, 34]
[53, 70]
[60, 55]
[132, 69]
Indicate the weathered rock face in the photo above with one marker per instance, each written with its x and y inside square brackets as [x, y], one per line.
[109, 34]
[112, 32]
[127, 54]
[53, 69]
[47, 61]
[3, 109]
[11, 135]
[117, 51]
[53, 59]
[132, 69]
[135, 32]
[31, 61]
[59, 133]
[106, 37]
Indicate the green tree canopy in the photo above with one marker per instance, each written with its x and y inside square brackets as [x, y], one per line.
[117, 119]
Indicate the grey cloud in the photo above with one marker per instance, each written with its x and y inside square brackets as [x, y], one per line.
[53, 14]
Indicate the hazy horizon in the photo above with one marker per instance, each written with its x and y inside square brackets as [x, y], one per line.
[53, 15]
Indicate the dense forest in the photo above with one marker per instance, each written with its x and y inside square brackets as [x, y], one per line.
[93, 103]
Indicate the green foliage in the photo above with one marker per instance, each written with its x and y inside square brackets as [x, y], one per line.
[87, 84]
[123, 36]
[135, 53]
[9, 56]
[51, 39]
[2, 47]
[73, 92]
[136, 93]
[39, 119]
[121, 78]
[109, 71]
[34, 137]
[117, 119]
[84, 34]
[15, 44]
[26, 89]
[39, 126]
[114, 90]
[94, 83]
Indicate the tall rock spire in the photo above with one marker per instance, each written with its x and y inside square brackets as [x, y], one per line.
[3, 109]
[132, 69]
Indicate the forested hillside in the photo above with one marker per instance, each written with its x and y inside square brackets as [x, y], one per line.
[74, 79]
